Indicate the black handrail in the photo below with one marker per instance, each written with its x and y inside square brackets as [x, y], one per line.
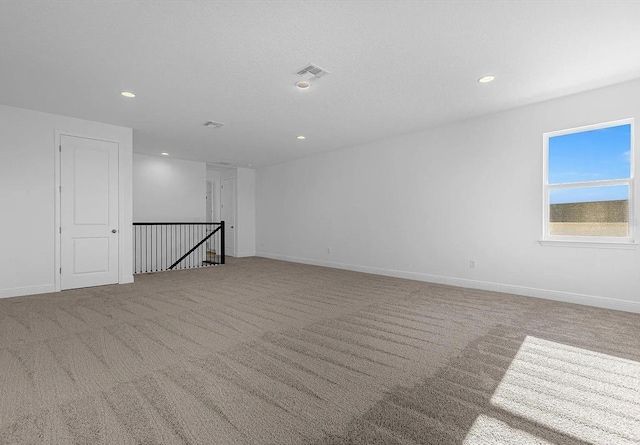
[158, 244]
[195, 247]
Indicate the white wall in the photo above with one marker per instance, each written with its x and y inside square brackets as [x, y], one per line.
[213, 176]
[246, 212]
[27, 197]
[168, 190]
[423, 205]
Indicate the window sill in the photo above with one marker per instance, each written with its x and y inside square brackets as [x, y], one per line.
[590, 244]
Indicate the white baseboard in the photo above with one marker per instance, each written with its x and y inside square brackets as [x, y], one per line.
[28, 290]
[44, 289]
[244, 254]
[568, 297]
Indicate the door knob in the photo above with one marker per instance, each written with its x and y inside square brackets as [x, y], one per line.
[113, 230]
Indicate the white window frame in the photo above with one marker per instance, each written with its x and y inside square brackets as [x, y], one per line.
[596, 241]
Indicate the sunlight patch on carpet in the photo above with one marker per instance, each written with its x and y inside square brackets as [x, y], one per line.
[586, 395]
[489, 431]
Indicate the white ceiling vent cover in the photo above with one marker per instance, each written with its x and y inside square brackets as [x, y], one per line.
[312, 72]
[213, 124]
[223, 164]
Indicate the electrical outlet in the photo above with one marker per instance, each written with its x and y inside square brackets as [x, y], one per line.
[472, 264]
[329, 250]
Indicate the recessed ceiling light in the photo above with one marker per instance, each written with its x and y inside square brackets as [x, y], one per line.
[303, 84]
[487, 79]
[164, 153]
[301, 137]
[128, 94]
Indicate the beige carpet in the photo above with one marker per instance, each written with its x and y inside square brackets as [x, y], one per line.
[267, 352]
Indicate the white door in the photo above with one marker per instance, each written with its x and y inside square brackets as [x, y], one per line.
[88, 212]
[228, 214]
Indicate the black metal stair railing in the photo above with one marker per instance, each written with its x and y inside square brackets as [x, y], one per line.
[162, 246]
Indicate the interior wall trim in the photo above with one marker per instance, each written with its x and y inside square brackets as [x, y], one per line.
[547, 294]
[28, 290]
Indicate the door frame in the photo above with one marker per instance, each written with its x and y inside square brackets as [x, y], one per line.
[235, 211]
[209, 191]
[57, 202]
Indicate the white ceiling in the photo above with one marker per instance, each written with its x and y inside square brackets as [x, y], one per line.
[395, 66]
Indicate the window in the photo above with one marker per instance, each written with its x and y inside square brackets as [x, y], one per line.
[588, 183]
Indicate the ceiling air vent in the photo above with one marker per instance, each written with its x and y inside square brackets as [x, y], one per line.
[312, 72]
[213, 124]
[222, 164]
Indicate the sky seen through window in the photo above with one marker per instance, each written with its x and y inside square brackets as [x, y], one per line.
[594, 155]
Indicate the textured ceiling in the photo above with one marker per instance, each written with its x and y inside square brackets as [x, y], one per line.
[395, 67]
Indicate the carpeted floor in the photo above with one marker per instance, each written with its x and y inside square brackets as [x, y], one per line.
[267, 352]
